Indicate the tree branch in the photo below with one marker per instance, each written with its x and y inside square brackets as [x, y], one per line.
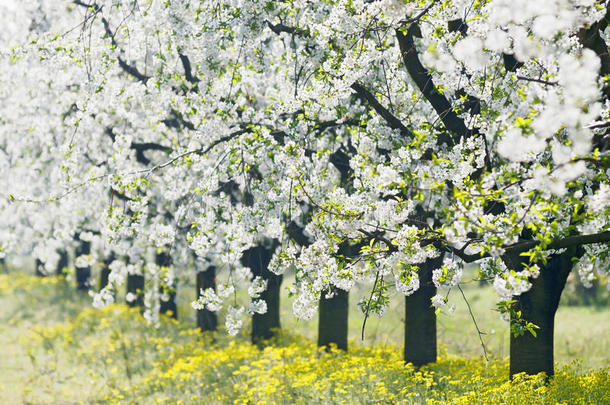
[188, 71]
[419, 15]
[144, 146]
[199, 151]
[80, 3]
[524, 246]
[423, 80]
[140, 148]
[279, 28]
[475, 323]
[132, 70]
[545, 82]
[597, 125]
[368, 98]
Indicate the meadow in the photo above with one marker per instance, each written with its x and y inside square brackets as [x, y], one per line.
[57, 349]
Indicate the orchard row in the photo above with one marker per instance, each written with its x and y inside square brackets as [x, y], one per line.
[382, 143]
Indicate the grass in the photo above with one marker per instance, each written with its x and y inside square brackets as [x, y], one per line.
[57, 349]
[580, 332]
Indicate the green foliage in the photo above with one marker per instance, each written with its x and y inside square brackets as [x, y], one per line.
[518, 325]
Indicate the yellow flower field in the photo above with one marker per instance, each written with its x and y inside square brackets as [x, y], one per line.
[113, 356]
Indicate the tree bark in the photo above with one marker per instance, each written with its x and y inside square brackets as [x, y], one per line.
[135, 285]
[333, 319]
[333, 312]
[206, 320]
[420, 318]
[39, 268]
[163, 259]
[105, 273]
[529, 354]
[264, 326]
[83, 273]
[62, 264]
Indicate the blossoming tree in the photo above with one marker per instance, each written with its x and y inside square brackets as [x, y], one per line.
[472, 131]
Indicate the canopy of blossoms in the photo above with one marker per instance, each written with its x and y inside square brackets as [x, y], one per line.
[411, 129]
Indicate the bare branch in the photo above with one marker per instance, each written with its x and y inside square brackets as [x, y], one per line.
[545, 82]
[475, 323]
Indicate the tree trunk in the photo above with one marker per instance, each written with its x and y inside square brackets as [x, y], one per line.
[39, 268]
[420, 318]
[83, 273]
[206, 320]
[264, 325]
[164, 260]
[333, 317]
[62, 264]
[529, 354]
[333, 312]
[3, 265]
[135, 286]
[105, 274]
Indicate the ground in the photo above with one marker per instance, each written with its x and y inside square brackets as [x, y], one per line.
[57, 349]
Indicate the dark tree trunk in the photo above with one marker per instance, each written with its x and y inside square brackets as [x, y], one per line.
[135, 285]
[105, 273]
[164, 260]
[333, 312]
[530, 354]
[263, 325]
[420, 318]
[83, 273]
[39, 268]
[333, 317]
[206, 320]
[62, 264]
[3, 265]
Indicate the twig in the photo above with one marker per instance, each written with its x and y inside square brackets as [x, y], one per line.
[545, 82]
[389, 244]
[475, 323]
[417, 17]
[368, 304]
[201, 151]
